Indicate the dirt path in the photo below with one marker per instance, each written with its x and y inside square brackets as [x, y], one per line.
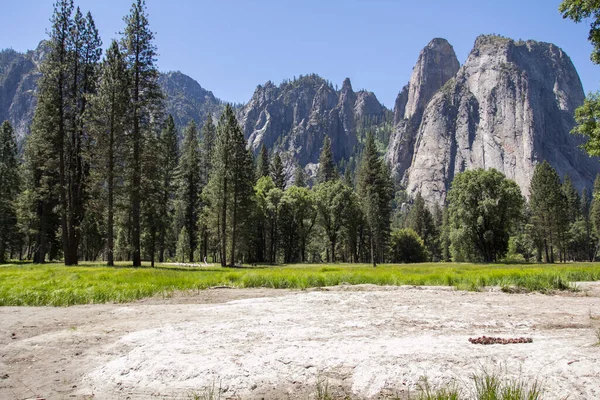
[365, 341]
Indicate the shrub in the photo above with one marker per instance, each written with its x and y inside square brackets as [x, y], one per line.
[407, 247]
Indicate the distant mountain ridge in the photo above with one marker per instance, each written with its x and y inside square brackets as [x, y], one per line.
[508, 107]
[185, 99]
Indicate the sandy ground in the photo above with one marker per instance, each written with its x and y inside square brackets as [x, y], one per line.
[366, 342]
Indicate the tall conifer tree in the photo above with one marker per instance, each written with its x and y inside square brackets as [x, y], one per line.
[107, 118]
[206, 150]
[277, 172]
[169, 156]
[262, 165]
[375, 189]
[9, 188]
[327, 170]
[140, 55]
[190, 185]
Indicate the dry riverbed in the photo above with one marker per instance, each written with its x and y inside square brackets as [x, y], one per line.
[364, 341]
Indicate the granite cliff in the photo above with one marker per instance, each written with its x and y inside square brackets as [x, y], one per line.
[509, 107]
[296, 116]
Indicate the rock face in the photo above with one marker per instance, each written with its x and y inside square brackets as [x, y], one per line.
[509, 107]
[436, 64]
[296, 116]
[185, 99]
[18, 84]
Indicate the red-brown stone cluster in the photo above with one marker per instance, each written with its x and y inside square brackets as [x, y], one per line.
[497, 340]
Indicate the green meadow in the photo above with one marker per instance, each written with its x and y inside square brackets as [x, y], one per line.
[57, 285]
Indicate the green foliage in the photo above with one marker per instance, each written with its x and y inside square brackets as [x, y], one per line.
[549, 210]
[169, 161]
[420, 220]
[375, 190]
[56, 285]
[490, 386]
[297, 217]
[106, 118]
[333, 199]
[483, 208]
[145, 102]
[299, 177]
[183, 246]
[327, 170]
[190, 185]
[277, 172]
[69, 75]
[268, 200]
[586, 116]
[262, 165]
[407, 247]
[229, 191]
[580, 10]
[9, 189]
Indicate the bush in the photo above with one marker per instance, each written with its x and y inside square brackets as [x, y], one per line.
[407, 247]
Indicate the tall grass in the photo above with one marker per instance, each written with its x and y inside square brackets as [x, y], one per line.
[57, 285]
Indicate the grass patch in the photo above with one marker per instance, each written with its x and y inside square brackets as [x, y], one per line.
[57, 285]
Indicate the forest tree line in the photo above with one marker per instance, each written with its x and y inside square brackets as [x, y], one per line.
[104, 177]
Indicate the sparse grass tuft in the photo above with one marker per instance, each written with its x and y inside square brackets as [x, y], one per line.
[451, 392]
[598, 336]
[322, 389]
[490, 386]
[209, 393]
[56, 285]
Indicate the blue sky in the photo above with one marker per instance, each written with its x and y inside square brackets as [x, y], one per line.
[231, 46]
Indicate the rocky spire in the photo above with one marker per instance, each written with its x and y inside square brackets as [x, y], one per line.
[436, 64]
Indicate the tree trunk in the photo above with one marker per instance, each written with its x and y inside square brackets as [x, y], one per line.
[372, 250]
[233, 227]
[333, 251]
[224, 226]
[111, 165]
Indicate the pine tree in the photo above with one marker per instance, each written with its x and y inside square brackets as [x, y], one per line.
[9, 188]
[190, 185]
[262, 166]
[86, 48]
[277, 172]
[206, 150]
[586, 217]
[58, 132]
[327, 169]
[207, 147]
[572, 214]
[169, 159]
[145, 95]
[595, 212]
[421, 221]
[548, 204]
[107, 117]
[573, 200]
[445, 236]
[299, 177]
[152, 193]
[375, 189]
[242, 190]
[229, 190]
